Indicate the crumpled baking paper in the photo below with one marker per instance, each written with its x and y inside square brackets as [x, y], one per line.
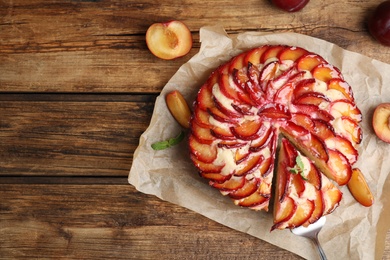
[351, 231]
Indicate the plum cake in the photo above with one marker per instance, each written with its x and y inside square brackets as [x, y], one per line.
[277, 111]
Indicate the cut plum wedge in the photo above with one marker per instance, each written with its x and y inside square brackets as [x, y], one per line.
[250, 165]
[350, 130]
[309, 62]
[233, 184]
[255, 55]
[312, 98]
[331, 196]
[203, 135]
[248, 130]
[343, 146]
[274, 111]
[259, 198]
[204, 99]
[248, 189]
[326, 72]
[345, 108]
[206, 167]
[343, 87]
[272, 53]
[292, 53]
[205, 153]
[215, 177]
[228, 89]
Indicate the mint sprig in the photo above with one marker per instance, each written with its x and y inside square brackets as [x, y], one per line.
[299, 167]
[168, 143]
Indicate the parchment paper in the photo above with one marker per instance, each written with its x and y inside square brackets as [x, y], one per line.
[351, 231]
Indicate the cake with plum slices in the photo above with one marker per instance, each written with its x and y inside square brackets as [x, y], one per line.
[277, 110]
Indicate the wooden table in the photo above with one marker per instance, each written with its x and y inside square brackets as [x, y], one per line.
[77, 89]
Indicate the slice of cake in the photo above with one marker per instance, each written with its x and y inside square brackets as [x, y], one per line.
[302, 194]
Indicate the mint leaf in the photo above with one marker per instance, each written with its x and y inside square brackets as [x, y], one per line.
[299, 162]
[160, 145]
[168, 143]
[176, 140]
[294, 170]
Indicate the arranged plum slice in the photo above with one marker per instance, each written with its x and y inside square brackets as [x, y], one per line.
[331, 196]
[203, 152]
[350, 130]
[323, 129]
[271, 53]
[203, 135]
[303, 87]
[248, 189]
[340, 169]
[237, 63]
[258, 198]
[343, 87]
[344, 147]
[250, 165]
[255, 55]
[326, 72]
[345, 108]
[274, 111]
[292, 53]
[309, 61]
[205, 98]
[206, 167]
[312, 98]
[232, 184]
[248, 130]
[215, 177]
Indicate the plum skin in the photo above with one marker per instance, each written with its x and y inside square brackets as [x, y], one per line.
[290, 5]
[379, 23]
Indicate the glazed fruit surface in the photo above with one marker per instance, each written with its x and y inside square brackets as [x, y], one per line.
[272, 90]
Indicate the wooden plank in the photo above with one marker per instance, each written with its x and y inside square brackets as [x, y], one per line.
[62, 137]
[114, 222]
[99, 46]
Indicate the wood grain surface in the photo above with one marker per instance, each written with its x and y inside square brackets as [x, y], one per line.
[77, 89]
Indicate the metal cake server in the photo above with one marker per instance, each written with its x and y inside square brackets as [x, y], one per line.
[311, 232]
